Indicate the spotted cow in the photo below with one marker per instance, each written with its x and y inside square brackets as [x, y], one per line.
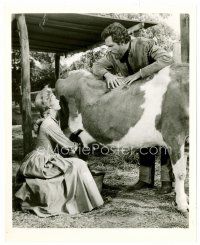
[152, 111]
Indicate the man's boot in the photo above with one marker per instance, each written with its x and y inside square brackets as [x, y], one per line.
[146, 171]
[166, 173]
[145, 179]
[166, 187]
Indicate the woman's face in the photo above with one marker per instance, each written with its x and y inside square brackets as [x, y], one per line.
[55, 103]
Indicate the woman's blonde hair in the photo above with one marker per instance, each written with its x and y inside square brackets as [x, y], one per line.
[43, 100]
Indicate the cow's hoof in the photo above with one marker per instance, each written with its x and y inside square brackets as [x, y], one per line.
[183, 210]
[182, 203]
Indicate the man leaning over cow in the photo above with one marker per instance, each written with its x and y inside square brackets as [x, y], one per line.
[133, 58]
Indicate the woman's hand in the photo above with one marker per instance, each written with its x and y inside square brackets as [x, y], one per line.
[37, 124]
[74, 149]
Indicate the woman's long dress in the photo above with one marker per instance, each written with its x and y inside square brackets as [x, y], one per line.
[51, 184]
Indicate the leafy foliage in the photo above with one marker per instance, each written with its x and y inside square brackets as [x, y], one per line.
[41, 72]
[87, 59]
[41, 76]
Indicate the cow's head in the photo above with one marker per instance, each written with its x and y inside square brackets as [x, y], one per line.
[70, 92]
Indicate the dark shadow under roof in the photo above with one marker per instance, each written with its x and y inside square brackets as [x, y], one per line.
[64, 33]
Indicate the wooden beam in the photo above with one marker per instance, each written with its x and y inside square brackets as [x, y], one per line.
[25, 84]
[61, 50]
[48, 37]
[60, 32]
[53, 47]
[65, 25]
[177, 52]
[135, 28]
[184, 23]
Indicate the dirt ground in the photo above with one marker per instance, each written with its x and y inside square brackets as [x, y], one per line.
[139, 209]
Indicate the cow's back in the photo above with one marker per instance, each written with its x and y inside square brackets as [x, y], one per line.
[132, 116]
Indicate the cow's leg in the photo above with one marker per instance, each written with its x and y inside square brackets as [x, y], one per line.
[179, 170]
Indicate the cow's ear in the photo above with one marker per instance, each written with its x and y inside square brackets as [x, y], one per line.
[64, 112]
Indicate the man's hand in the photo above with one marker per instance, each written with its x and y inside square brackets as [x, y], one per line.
[130, 79]
[113, 81]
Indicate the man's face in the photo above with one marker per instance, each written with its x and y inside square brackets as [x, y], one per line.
[116, 49]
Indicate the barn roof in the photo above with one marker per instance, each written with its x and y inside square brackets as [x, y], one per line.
[63, 33]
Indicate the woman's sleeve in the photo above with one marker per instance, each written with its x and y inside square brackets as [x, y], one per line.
[56, 134]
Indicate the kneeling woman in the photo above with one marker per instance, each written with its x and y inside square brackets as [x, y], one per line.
[51, 184]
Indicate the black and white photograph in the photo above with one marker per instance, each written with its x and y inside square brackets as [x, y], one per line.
[100, 121]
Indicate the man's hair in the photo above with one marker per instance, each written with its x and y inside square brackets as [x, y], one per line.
[118, 33]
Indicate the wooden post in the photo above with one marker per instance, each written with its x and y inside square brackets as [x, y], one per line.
[25, 84]
[57, 67]
[184, 23]
[135, 28]
[177, 52]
